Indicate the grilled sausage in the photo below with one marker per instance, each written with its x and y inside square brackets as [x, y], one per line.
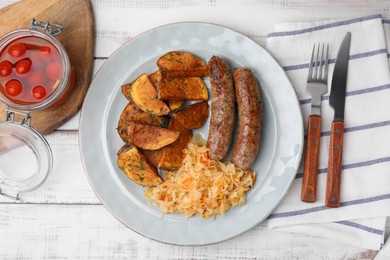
[222, 108]
[250, 118]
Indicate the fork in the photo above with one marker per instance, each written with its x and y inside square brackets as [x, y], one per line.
[316, 86]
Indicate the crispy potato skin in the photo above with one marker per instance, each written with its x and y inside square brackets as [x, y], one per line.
[126, 91]
[183, 88]
[193, 116]
[250, 118]
[144, 96]
[155, 78]
[150, 137]
[153, 156]
[131, 113]
[182, 64]
[136, 167]
[173, 154]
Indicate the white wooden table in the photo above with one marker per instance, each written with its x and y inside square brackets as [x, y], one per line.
[65, 219]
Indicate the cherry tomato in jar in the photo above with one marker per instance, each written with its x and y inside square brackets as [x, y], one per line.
[17, 50]
[53, 70]
[45, 51]
[39, 92]
[5, 68]
[23, 66]
[13, 87]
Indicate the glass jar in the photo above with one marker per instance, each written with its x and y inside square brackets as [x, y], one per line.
[35, 74]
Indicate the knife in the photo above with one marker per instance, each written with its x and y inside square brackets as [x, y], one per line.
[337, 102]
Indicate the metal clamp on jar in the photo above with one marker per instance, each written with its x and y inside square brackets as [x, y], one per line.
[35, 74]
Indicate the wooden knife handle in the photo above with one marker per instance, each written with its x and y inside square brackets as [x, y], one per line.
[333, 181]
[310, 169]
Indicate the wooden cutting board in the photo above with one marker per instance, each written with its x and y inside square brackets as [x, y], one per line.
[78, 39]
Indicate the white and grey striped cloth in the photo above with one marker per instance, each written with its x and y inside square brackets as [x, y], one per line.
[365, 184]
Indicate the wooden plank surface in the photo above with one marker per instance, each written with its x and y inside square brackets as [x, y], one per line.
[64, 219]
[50, 231]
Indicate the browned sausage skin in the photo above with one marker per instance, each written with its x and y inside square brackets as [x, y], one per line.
[222, 108]
[249, 117]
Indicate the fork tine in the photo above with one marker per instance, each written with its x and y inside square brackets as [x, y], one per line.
[326, 62]
[322, 61]
[317, 62]
[310, 74]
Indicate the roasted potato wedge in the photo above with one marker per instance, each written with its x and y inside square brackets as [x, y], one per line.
[126, 91]
[173, 154]
[193, 116]
[135, 165]
[150, 137]
[155, 78]
[183, 88]
[153, 156]
[182, 64]
[144, 95]
[131, 113]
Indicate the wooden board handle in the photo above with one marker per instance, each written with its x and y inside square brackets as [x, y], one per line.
[332, 197]
[310, 169]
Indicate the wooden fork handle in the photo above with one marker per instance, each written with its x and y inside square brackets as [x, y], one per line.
[310, 169]
[333, 182]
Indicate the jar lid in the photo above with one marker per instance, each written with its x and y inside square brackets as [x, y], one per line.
[25, 157]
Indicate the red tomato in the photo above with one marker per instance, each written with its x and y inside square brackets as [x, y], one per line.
[5, 68]
[16, 50]
[36, 78]
[53, 70]
[13, 87]
[23, 66]
[39, 92]
[45, 51]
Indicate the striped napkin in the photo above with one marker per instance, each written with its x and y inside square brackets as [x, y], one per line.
[365, 184]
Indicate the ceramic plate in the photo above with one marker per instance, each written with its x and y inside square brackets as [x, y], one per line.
[275, 166]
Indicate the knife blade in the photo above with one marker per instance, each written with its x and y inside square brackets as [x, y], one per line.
[337, 102]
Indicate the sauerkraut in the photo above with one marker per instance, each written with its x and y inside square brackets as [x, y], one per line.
[201, 186]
